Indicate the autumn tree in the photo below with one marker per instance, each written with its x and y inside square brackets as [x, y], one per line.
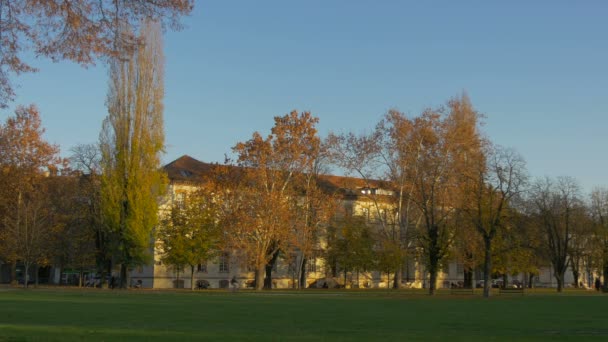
[496, 176]
[77, 30]
[132, 141]
[447, 141]
[555, 203]
[271, 168]
[25, 159]
[190, 234]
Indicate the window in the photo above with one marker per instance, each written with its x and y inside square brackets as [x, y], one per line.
[185, 173]
[460, 269]
[202, 267]
[224, 263]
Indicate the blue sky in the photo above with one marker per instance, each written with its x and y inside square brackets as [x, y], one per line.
[537, 69]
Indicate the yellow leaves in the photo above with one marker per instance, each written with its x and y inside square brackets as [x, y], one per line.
[132, 140]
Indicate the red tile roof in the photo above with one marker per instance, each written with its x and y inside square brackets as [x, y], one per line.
[188, 169]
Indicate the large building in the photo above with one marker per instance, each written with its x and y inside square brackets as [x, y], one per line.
[186, 174]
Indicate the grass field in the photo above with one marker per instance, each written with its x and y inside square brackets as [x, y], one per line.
[103, 315]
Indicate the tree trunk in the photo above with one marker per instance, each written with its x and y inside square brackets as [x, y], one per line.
[432, 280]
[14, 273]
[505, 281]
[605, 285]
[487, 267]
[103, 284]
[192, 277]
[560, 281]
[531, 280]
[269, 267]
[302, 281]
[36, 271]
[268, 277]
[123, 276]
[576, 276]
[468, 278]
[434, 252]
[106, 273]
[398, 276]
[60, 267]
[26, 274]
[259, 278]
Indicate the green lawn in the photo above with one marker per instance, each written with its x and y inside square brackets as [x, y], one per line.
[103, 315]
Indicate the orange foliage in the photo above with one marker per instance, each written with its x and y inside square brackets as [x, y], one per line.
[77, 30]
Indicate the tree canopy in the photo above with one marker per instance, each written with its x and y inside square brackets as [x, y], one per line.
[76, 30]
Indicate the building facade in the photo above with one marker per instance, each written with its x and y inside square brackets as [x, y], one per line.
[185, 175]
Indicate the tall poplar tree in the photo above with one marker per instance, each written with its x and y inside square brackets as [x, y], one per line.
[132, 141]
